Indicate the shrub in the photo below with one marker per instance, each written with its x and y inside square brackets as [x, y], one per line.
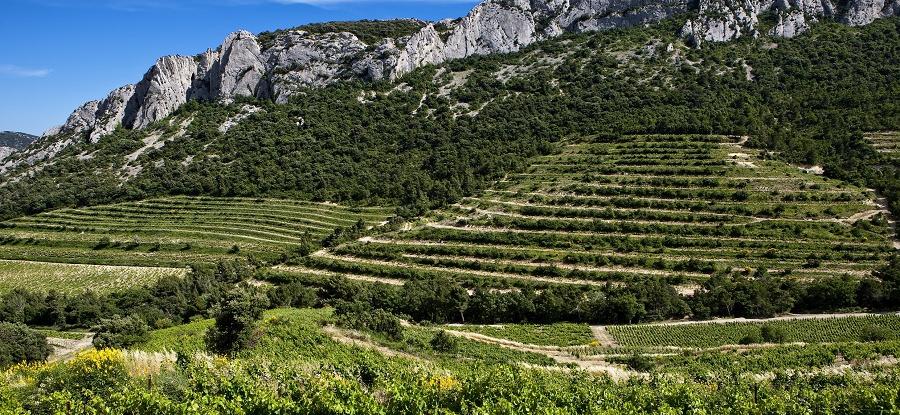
[293, 295]
[120, 332]
[753, 337]
[20, 344]
[443, 342]
[355, 316]
[639, 362]
[872, 333]
[772, 334]
[236, 318]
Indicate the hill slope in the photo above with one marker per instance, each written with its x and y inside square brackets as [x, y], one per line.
[678, 208]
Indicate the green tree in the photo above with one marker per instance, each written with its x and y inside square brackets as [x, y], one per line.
[236, 319]
[18, 343]
[120, 332]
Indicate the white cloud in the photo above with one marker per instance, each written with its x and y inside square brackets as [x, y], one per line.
[20, 72]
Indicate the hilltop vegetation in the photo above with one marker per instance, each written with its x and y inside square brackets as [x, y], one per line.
[368, 31]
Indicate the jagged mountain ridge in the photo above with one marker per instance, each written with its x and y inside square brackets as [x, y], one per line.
[298, 59]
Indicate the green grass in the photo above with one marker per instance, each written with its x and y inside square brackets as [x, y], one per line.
[701, 335]
[75, 278]
[559, 334]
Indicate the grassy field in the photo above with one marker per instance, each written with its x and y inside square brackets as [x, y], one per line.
[705, 335]
[677, 207]
[74, 278]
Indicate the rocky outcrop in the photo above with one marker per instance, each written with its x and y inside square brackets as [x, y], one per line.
[863, 12]
[165, 88]
[724, 20]
[297, 59]
[239, 69]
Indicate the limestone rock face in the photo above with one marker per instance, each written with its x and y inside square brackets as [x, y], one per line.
[491, 28]
[239, 69]
[165, 88]
[790, 24]
[423, 48]
[723, 20]
[863, 12]
[296, 60]
[299, 60]
[119, 105]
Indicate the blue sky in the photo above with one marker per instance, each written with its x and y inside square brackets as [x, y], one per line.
[57, 54]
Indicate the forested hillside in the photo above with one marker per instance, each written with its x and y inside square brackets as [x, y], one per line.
[441, 133]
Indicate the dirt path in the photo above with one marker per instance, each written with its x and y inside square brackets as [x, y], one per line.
[489, 212]
[629, 270]
[882, 204]
[360, 340]
[558, 354]
[603, 337]
[65, 349]
[489, 229]
[461, 270]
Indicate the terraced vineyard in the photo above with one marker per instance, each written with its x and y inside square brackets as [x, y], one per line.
[166, 232]
[886, 143]
[676, 207]
[705, 335]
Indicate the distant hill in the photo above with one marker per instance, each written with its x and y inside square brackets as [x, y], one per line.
[11, 142]
[16, 140]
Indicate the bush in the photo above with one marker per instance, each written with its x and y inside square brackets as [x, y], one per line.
[751, 338]
[236, 318]
[120, 332]
[355, 316]
[293, 295]
[639, 362]
[772, 334]
[20, 344]
[443, 342]
[873, 333]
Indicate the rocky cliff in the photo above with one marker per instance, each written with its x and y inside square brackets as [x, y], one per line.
[297, 59]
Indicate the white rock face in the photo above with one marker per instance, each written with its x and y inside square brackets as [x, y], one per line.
[790, 24]
[6, 152]
[491, 28]
[165, 88]
[297, 60]
[863, 12]
[119, 105]
[724, 20]
[239, 69]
